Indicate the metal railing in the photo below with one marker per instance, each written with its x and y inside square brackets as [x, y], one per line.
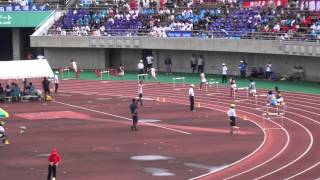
[196, 34]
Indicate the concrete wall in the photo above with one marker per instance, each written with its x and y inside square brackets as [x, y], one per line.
[100, 52]
[87, 58]
[218, 45]
[101, 58]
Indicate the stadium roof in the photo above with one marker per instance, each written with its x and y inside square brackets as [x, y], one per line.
[25, 69]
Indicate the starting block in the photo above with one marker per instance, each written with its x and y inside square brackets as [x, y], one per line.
[104, 72]
[142, 76]
[178, 78]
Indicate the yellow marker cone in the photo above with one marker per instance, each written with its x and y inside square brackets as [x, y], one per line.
[6, 141]
[198, 105]
[163, 99]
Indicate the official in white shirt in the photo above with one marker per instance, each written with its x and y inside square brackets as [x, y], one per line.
[56, 81]
[141, 67]
[232, 117]
[224, 73]
[191, 97]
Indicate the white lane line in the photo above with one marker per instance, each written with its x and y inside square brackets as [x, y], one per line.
[122, 117]
[298, 158]
[303, 171]
[251, 154]
[240, 160]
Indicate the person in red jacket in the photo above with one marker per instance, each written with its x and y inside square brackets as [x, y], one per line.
[54, 160]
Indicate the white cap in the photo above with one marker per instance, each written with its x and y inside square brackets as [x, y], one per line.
[57, 72]
[141, 60]
[223, 64]
[241, 61]
[191, 85]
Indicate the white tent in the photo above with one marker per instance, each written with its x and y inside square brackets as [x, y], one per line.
[25, 69]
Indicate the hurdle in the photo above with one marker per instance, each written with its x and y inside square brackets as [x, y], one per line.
[269, 116]
[240, 88]
[142, 76]
[104, 72]
[178, 78]
[214, 83]
[62, 73]
[256, 96]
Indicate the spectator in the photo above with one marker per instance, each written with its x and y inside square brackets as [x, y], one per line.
[149, 59]
[168, 64]
[15, 91]
[268, 70]
[300, 73]
[7, 91]
[243, 68]
[224, 73]
[254, 72]
[193, 60]
[200, 63]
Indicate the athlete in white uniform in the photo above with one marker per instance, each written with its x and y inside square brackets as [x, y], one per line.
[74, 65]
[153, 73]
[140, 93]
[252, 88]
[202, 79]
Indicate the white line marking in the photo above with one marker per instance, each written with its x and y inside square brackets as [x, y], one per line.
[232, 164]
[310, 145]
[304, 98]
[122, 117]
[303, 171]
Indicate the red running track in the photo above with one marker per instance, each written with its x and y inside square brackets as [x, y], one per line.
[291, 152]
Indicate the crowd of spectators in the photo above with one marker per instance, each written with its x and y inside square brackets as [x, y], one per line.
[23, 5]
[157, 20]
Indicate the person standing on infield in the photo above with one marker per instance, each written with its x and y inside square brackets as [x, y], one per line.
[134, 113]
[54, 160]
[224, 73]
[191, 97]
[56, 82]
[232, 117]
[140, 93]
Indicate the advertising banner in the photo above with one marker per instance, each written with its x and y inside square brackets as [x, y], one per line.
[23, 19]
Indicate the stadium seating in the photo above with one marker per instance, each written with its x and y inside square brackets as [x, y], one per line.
[213, 22]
